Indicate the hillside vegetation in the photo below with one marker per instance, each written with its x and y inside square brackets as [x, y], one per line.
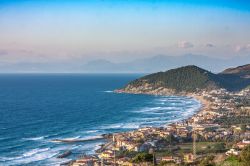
[191, 78]
[242, 71]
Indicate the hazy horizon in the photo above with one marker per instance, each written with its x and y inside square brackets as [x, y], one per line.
[65, 36]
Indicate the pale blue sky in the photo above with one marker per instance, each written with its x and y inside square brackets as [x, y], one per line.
[54, 31]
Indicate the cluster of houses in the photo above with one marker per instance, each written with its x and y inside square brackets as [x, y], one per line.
[220, 104]
[140, 140]
[238, 147]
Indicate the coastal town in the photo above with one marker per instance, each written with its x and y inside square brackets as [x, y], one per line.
[124, 82]
[218, 134]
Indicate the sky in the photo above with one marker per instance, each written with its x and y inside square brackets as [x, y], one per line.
[54, 31]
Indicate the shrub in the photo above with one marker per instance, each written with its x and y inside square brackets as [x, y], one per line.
[143, 157]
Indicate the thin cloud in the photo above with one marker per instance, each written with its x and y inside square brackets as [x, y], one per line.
[242, 48]
[185, 44]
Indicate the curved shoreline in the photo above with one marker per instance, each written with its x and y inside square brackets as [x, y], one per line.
[204, 104]
[110, 136]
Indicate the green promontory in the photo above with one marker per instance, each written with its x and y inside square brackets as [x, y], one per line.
[186, 79]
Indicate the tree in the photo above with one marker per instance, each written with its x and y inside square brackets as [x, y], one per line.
[243, 128]
[220, 147]
[170, 139]
[245, 156]
[143, 157]
[207, 161]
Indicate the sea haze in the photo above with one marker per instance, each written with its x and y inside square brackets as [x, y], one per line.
[37, 108]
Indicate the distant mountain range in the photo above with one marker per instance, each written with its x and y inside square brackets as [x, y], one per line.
[189, 79]
[143, 65]
[163, 63]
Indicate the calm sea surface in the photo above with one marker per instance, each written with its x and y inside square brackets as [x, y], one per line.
[37, 108]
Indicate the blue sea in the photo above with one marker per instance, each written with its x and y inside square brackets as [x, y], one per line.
[38, 108]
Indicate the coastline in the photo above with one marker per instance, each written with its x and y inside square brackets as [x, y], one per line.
[175, 133]
[204, 105]
[111, 138]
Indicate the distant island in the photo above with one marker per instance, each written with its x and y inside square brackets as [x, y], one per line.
[190, 79]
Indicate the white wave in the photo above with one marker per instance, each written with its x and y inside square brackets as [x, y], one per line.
[108, 91]
[90, 147]
[75, 147]
[159, 110]
[156, 122]
[175, 109]
[112, 126]
[161, 103]
[155, 113]
[72, 138]
[91, 137]
[189, 102]
[30, 156]
[92, 131]
[5, 138]
[4, 159]
[147, 119]
[174, 120]
[128, 125]
[167, 100]
[34, 138]
[34, 151]
[190, 110]
[147, 109]
[77, 139]
[34, 155]
[38, 157]
[170, 99]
